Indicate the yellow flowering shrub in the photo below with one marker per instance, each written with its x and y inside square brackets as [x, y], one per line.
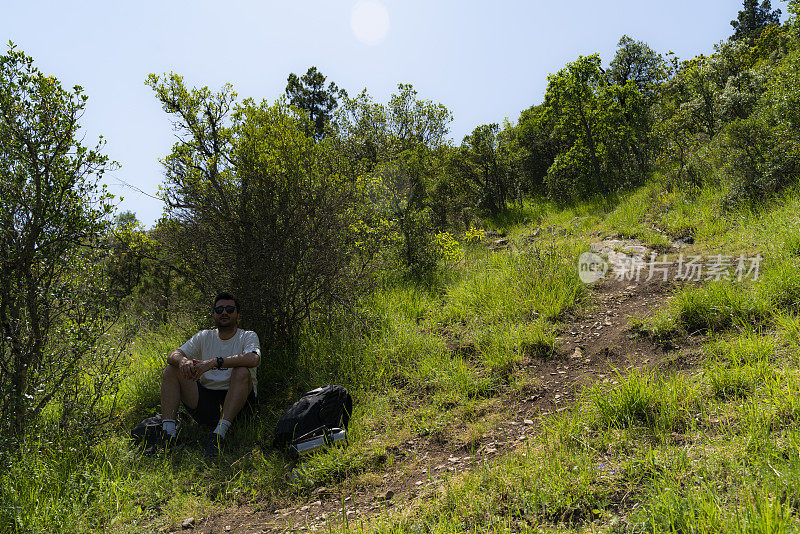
[473, 235]
[448, 247]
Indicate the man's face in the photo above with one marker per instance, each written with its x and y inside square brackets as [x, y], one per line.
[225, 313]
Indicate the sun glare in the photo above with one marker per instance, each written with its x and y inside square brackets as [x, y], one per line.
[370, 22]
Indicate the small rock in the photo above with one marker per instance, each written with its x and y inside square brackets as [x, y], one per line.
[527, 422]
[187, 523]
[577, 353]
[228, 528]
[319, 491]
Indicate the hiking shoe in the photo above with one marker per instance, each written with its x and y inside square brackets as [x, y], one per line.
[212, 445]
[172, 443]
[164, 441]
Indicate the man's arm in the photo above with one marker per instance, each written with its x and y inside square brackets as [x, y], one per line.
[249, 359]
[178, 359]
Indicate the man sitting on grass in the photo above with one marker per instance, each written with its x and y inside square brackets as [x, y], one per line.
[215, 369]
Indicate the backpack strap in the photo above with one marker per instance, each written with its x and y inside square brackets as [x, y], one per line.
[348, 409]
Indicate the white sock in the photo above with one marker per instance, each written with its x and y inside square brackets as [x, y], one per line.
[169, 427]
[222, 427]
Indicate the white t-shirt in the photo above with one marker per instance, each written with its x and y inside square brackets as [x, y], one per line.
[206, 345]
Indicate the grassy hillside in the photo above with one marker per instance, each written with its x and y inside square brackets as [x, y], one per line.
[494, 390]
[714, 447]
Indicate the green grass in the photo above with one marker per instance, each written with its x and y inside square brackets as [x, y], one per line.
[646, 399]
[399, 358]
[712, 449]
[725, 304]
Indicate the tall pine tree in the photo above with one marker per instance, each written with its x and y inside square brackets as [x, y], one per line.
[753, 18]
[308, 92]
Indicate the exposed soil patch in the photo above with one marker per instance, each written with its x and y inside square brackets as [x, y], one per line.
[593, 347]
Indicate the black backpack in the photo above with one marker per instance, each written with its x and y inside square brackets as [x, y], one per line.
[316, 412]
[147, 433]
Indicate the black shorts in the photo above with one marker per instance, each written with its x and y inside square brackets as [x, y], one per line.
[209, 405]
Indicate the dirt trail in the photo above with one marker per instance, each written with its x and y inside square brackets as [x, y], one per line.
[592, 345]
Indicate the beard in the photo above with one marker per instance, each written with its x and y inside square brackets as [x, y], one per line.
[226, 323]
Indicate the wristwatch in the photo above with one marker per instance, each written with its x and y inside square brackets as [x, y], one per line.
[219, 362]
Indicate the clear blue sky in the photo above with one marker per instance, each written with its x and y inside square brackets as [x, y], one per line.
[486, 61]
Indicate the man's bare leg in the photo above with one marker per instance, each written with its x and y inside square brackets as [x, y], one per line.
[175, 389]
[240, 387]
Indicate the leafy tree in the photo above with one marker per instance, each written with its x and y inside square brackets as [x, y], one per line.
[479, 163]
[414, 122]
[759, 150]
[125, 268]
[741, 95]
[400, 147]
[375, 133]
[753, 18]
[703, 95]
[262, 209]
[636, 74]
[602, 121]
[54, 311]
[636, 62]
[574, 104]
[531, 149]
[145, 280]
[309, 93]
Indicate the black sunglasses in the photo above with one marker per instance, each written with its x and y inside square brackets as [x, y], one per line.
[219, 309]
